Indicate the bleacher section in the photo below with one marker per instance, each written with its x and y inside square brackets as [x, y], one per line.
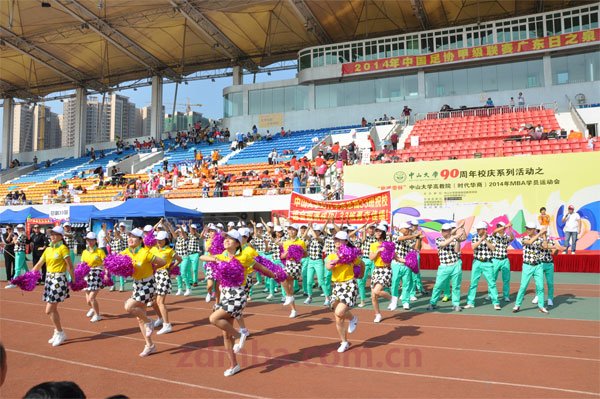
[178, 155]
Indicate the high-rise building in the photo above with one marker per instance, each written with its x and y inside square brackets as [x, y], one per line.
[22, 128]
[183, 121]
[146, 123]
[46, 129]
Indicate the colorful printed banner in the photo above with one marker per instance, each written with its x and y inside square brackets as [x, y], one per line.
[374, 207]
[479, 52]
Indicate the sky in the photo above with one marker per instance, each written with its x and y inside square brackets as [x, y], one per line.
[205, 92]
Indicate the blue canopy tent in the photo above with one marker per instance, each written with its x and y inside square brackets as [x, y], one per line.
[146, 207]
[80, 215]
[14, 217]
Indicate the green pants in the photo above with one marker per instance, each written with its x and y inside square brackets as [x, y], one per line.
[445, 273]
[402, 273]
[184, 273]
[72, 256]
[121, 280]
[194, 260]
[317, 266]
[362, 283]
[270, 283]
[417, 283]
[549, 273]
[537, 272]
[487, 269]
[504, 266]
[305, 282]
[20, 263]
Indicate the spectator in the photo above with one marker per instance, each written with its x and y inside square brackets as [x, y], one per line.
[60, 389]
[35, 160]
[335, 150]
[511, 102]
[272, 157]
[394, 140]
[296, 184]
[489, 103]
[591, 141]
[282, 132]
[363, 122]
[572, 229]
[544, 218]
[406, 115]
[521, 100]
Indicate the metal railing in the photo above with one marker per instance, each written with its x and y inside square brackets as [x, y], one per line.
[484, 111]
[576, 116]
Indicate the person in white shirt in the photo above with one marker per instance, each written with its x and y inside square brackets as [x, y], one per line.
[572, 228]
[101, 238]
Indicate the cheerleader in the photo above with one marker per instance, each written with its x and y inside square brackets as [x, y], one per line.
[450, 268]
[345, 290]
[248, 256]
[274, 245]
[404, 243]
[118, 243]
[233, 300]
[162, 280]
[368, 238]
[532, 266]
[94, 258]
[194, 249]
[500, 258]
[143, 285]
[417, 280]
[292, 267]
[69, 240]
[211, 287]
[483, 250]
[382, 274]
[181, 252]
[315, 263]
[549, 248]
[56, 289]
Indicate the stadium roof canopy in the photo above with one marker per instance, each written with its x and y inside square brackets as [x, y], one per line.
[52, 45]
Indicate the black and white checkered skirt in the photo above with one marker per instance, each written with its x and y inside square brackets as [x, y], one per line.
[250, 280]
[94, 279]
[381, 275]
[345, 292]
[162, 282]
[208, 273]
[293, 269]
[144, 290]
[56, 288]
[233, 300]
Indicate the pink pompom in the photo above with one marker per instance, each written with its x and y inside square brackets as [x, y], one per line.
[174, 271]
[78, 285]
[356, 270]
[149, 239]
[106, 279]
[81, 270]
[389, 249]
[229, 273]
[119, 265]
[280, 274]
[295, 252]
[347, 255]
[216, 246]
[412, 261]
[27, 281]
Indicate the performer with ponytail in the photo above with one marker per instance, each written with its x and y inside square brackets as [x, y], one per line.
[294, 249]
[379, 253]
[94, 258]
[162, 280]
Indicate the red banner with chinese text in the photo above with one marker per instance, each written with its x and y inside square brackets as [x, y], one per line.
[472, 53]
[370, 208]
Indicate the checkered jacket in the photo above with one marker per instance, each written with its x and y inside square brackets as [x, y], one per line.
[181, 246]
[259, 244]
[546, 254]
[275, 249]
[117, 244]
[501, 243]
[315, 249]
[366, 245]
[69, 239]
[446, 254]
[404, 247]
[329, 245]
[482, 253]
[21, 243]
[532, 253]
[194, 246]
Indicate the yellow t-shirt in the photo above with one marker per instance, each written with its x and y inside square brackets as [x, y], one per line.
[242, 257]
[378, 262]
[55, 256]
[251, 253]
[142, 262]
[207, 244]
[93, 258]
[297, 241]
[165, 253]
[342, 272]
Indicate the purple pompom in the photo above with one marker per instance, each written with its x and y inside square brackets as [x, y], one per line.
[387, 254]
[280, 274]
[174, 271]
[81, 270]
[229, 273]
[347, 255]
[216, 246]
[295, 252]
[27, 281]
[149, 239]
[412, 261]
[119, 265]
[78, 285]
[356, 270]
[106, 279]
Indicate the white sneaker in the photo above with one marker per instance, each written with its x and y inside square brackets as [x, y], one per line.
[245, 331]
[166, 328]
[188, 292]
[535, 299]
[413, 299]
[149, 327]
[308, 300]
[377, 318]
[288, 300]
[60, 338]
[121, 289]
[327, 302]
[352, 325]
[405, 306]
[51, 340]
[9, 286]
[112, 288]
[550, 302]
[148, 350]
[157, 323]
[343, 347]
[468, 306]
[293, 314]
[232, 371]
[269, 297]
[507, 299]
[90, 313]
[207, 299]
[178, 293]
[393, 304]
[240, 344]
[361, 305]
[497, 307]
[543, 310]
[96, 318]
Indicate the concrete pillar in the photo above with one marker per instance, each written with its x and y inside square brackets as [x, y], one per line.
[156, 122]
[238, 76]
[80, 122]
[547, 64]
[7, 132]
[421, 83]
